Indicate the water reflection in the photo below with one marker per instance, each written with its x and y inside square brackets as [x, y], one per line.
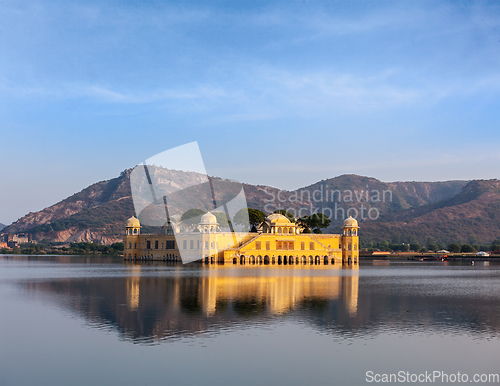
[151, 303]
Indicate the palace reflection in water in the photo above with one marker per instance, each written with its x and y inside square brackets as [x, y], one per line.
[95, 320]
[154, 303]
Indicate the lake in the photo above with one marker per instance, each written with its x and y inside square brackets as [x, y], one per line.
[102, 321]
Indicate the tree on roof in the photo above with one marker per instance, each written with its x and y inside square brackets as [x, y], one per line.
[316, 222]
[222, 219]
[249, 216]
[192, 216]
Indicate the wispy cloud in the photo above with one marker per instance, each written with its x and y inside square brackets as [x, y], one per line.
[269, 92]
[110, 96]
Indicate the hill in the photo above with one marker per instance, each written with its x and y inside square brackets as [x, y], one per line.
[94, 214]
[471, 216]
[450, 211]
[2, 226]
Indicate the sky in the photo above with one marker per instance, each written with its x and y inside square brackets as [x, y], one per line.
[280, 93]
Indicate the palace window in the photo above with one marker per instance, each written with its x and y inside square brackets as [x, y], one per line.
[156, 244]
[206, 244]
[311, 246]
[135, 245]
[349, 247]
[354, 247]
[191, 244]
[148, 244]
[285, 245]
[129, 245]
[302, 246]
[257, 245]
[268, 245]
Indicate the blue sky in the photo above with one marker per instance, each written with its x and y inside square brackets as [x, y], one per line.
[280, 93]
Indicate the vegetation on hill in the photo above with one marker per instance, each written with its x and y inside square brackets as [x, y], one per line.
[470, 217]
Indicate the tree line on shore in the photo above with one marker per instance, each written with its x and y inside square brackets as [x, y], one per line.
[51, 248]
[430, 246]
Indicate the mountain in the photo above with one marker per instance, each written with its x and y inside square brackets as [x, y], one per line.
[2, 226]
[90, 215]
[450, 211]
[472, 216]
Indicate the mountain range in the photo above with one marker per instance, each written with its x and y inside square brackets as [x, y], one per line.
[449, 211]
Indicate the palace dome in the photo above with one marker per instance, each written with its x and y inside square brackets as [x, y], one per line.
[278, 218]
[350, 222]
[132, 222]
[209, 219]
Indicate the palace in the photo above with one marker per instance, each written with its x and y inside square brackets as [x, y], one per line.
[277, 241]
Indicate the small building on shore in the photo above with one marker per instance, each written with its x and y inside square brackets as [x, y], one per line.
[278, 241]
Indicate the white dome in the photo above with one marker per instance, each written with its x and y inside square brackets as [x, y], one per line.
[278, 218]
[132, 222]
[208, 218]
[350, 222]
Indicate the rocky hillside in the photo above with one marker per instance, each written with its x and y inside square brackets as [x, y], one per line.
[90, 215]
[472, 215]
[399, 211]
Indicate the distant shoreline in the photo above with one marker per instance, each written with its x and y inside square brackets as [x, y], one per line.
[428, 257]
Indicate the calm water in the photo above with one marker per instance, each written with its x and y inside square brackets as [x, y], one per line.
[97, 321]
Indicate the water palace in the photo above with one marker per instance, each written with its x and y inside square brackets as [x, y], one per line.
[277, 241]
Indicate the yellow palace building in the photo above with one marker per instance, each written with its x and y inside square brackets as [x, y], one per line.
[277, 241]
